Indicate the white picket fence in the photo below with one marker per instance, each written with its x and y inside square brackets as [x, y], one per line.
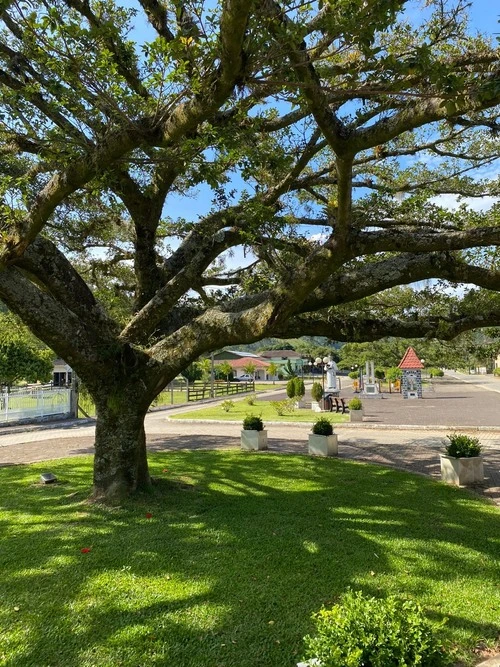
[34, 403]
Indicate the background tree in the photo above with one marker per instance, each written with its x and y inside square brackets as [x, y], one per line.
[273, 370]
[250, 368]
[22, 356]
[317, 135]
[226, 369]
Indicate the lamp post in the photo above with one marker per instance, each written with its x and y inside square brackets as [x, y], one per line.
[321, 363]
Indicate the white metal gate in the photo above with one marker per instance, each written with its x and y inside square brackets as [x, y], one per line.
[34, 403]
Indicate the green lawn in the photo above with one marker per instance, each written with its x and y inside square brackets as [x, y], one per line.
[238, 552]
[262, 409]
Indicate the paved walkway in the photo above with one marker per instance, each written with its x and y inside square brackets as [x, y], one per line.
[384, 437]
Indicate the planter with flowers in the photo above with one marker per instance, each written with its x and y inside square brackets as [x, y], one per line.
[253, 435]
[462, 465]
[322, 441]
[355, 410]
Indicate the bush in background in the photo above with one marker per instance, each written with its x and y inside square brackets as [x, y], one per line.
[316, 392]
[282, 407]
[291, 388]
[300, 388]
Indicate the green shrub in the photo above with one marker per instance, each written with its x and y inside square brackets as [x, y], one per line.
[283, 407]
[393, 373]
[290, 388]
[496, 372]
[462, 446]
[253, 423]
[435, 372]
[322, 426]
[355, 404]
[379, 374]
[300, 388]
[354, 375]
[391, 632]
[250, 399]
[316, 392]
[227, 405]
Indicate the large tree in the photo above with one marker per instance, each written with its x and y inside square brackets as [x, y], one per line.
[339, 117]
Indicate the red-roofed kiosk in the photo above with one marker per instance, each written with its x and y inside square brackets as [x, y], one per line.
[411, 382]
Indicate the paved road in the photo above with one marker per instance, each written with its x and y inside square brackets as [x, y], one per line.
[381, 439]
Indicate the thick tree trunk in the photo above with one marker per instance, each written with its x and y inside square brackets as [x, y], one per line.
[120, 462]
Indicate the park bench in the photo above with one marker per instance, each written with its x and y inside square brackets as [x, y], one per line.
[341, 406]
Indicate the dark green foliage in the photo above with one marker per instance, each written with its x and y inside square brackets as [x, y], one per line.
[366, 631]
[316, 391]
[462, 446]
[22, 356]
[253, 423]
[355, 404]
[291, 390]
[354, 375]
[322, 426]
[288, 370]
[300, 388]
[379, 373]
[192, 372]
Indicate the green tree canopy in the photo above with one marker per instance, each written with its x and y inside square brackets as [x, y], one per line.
[22, 356]
[316, 135]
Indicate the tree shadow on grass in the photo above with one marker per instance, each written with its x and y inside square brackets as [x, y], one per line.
[238, 552]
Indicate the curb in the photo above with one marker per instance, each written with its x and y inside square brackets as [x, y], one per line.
[28, 428]
[348, 425]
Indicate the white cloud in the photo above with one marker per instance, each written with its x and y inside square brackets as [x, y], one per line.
[452, 202]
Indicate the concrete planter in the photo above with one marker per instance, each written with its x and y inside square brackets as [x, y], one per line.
[323, 445]
[356, 415]
[315, 406]
[462, 472]
[300, 404]
[253, 440]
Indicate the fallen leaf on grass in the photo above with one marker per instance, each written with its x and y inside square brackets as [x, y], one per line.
[149, 515]
[86, 550]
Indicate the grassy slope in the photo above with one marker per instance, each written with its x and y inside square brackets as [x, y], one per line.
[262, 409]
[241, 548]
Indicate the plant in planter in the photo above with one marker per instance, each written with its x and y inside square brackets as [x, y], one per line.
[300, 391]
[462, 465]
[355, 410]
[290, 388]
[253, 435]
[316, 395]
[322, 441]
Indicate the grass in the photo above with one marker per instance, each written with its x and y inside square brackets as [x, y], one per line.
[261, 408]
[239, 551]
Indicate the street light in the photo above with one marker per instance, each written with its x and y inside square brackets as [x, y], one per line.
[321, 363]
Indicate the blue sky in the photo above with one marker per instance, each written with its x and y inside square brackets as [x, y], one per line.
[484, 18]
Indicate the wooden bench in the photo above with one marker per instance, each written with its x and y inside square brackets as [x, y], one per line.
[341, 405]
